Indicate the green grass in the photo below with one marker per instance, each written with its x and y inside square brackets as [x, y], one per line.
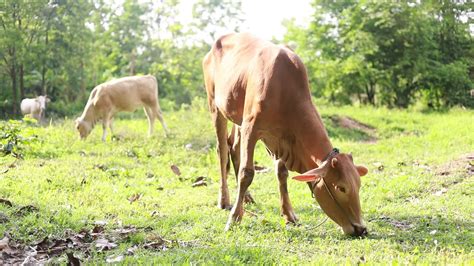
[74, 183]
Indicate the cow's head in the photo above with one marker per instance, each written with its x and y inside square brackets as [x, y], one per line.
[84, 127]
[42, 100]
[335, 184]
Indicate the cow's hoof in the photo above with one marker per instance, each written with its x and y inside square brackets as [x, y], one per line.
[228, 226]
[224, 207]
[248, 199]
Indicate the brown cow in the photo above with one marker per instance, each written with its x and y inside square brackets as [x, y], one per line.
[264, 89]
[123, 94]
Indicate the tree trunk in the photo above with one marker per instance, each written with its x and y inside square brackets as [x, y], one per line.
[22, 82]
[370, 92]
[14, 90]
[43, 68]
[83, 83]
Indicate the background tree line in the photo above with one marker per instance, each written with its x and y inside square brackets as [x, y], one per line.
[63, 48]
[392, 53]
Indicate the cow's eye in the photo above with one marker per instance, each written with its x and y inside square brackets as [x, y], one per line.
[342, 189]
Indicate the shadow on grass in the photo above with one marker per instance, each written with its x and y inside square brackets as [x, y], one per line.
[423, 233]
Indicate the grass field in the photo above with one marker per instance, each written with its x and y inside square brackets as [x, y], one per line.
[120, 200]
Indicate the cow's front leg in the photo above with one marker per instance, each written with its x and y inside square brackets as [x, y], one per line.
[104, 130]
[105, 124]
[246, 171]
[286, 208]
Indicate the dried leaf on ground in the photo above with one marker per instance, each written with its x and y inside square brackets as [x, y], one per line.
[175, 170]
[26, 209]
[135, 197]
[6, 202]
[4, 243]
[72, 260]
[261, 169]
[440, 192]
[104, 244]
[112, 259]
[199, 183]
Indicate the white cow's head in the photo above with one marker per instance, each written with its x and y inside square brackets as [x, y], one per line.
[84, 127]
[42, 100]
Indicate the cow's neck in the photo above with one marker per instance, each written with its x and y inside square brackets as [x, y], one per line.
[312, 140]
[89, 113]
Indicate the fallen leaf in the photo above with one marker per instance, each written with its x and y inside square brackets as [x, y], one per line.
[98, 229]
[199, 183]
[112, 259]
[261, 169]
[13, 165]
[100, 222]
[102, 167]
[150, 175]
[6, 202]
[440, 192]
[175, 170]
[131, 250]
[4, 243]
[104, 244]
[160, 245]
[134, 197]
[72, 260]
[125, 230]
[188, 146]
[432, 232]
[26, 209]
[199, 179]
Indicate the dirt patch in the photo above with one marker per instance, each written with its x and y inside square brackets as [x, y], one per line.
[350, 123]
[464, 166]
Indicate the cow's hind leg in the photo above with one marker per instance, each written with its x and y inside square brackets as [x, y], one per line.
[286, 208]
[248, 140]
[155, 108]
[220, 124]
[234, 148]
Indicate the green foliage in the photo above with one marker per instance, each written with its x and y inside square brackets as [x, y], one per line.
[388, 53]
[16, 136]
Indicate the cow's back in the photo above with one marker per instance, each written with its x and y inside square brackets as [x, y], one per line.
[126, 94]
[253, 75]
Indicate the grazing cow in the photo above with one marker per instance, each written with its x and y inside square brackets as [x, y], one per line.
[34, 107]
[263, 88]
[124, 94]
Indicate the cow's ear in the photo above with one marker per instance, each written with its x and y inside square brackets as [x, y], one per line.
[305, 178]
[362, 170]
[313, 174]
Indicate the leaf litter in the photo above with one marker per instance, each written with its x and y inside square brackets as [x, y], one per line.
[80, 243]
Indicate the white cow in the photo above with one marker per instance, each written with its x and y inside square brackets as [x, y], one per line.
[124, 94]
[34, 107]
